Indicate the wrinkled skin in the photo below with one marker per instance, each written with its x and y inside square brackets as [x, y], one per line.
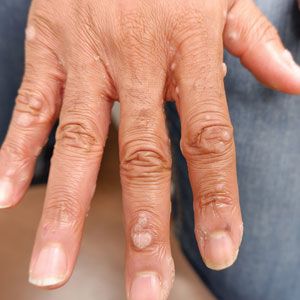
[83, 55]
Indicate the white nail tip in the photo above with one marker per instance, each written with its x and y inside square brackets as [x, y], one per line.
[50, 267]
[49, 281]
[4, 206]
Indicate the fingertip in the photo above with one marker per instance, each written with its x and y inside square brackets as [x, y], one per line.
[6, 191]
[293, 70]
[250, 36]
[274, 66]
[48, 268]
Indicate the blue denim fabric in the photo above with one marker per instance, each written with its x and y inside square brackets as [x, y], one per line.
[267, 135]
[13, 16]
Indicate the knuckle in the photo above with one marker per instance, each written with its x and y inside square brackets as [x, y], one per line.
[215, 197]
[262, 30]
[144, 231]
[145, 162]
[214, 201]
[78, 136]
[43, 24]
[14, 151]
[265, 30]
[63, 213]
[33, 109]
[211, 140]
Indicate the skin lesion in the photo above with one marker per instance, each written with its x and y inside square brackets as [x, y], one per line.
[31, 110]
[30, 33]
[214, 139]
[210, 140]
[142, 233]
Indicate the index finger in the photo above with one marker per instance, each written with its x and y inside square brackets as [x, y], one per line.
[208, 145]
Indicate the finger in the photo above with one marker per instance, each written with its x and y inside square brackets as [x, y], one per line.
[80, 140]
[251, 37]
[35, 112]
[145, 176]
[207, 143]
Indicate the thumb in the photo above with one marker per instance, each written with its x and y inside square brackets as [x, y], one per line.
[251, 37]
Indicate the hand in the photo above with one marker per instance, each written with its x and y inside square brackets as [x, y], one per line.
[83, 55]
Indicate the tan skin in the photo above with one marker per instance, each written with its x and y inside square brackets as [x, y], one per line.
[83, 55]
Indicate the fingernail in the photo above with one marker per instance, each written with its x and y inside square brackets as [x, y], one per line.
[50, 267]
[5, 193]
[145, 287]
[219, 251]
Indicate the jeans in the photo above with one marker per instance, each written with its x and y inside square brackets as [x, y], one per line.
[267, 135]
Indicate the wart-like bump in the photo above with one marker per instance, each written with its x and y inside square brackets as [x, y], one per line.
[141, 236]
[35, 104]
[30, 33]
[233, 36]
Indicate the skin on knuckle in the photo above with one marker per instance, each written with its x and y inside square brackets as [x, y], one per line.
[14, 151]
[261, 29]
[79, 137]
[214, 201]
[64, 213]
[258, 29]
[42, 24]
[217, 203]
[207, 140]
[217, 206]
[33, 109]
[143, 162]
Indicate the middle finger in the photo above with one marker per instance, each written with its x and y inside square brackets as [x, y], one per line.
[145, 176]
